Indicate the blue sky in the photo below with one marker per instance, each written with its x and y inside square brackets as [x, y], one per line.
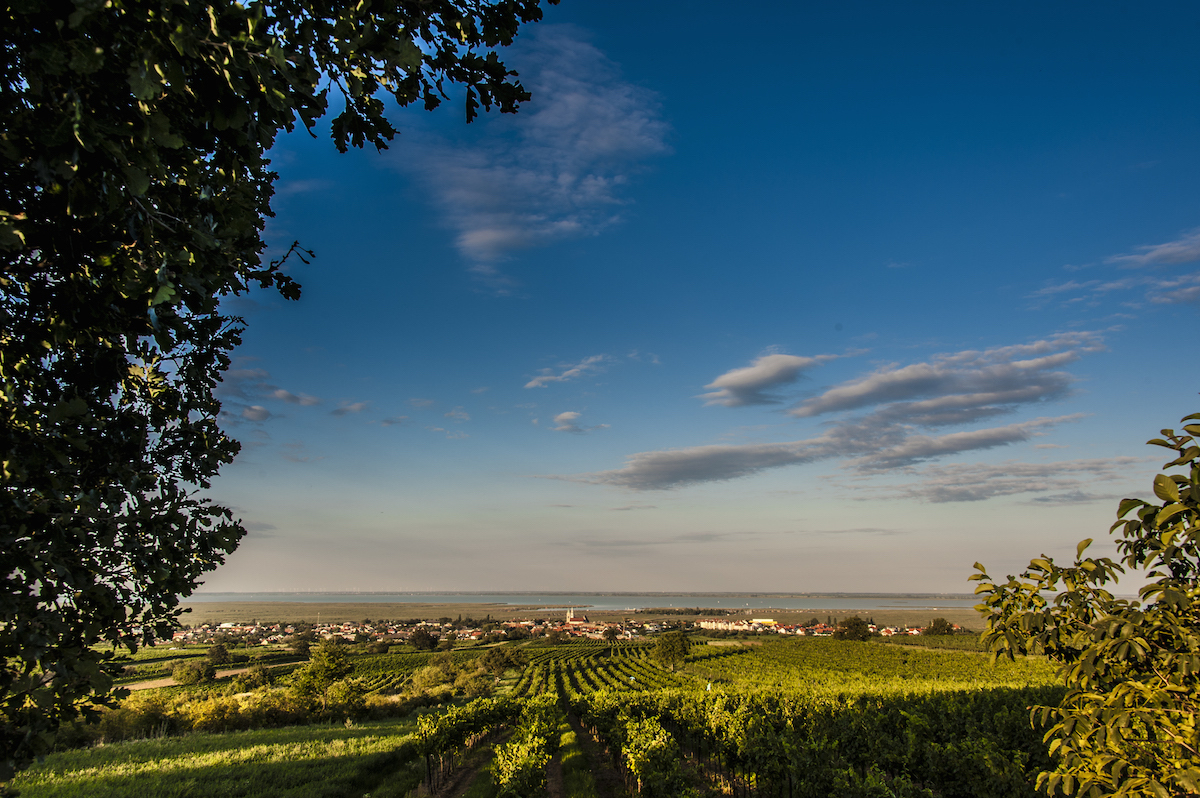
[795, 299]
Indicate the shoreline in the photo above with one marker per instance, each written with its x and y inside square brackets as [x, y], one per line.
[342, 611]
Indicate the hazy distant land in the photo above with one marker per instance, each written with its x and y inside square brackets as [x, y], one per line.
[209, 609]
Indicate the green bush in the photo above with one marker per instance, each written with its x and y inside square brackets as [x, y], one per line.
[258, 676]
[193, 672]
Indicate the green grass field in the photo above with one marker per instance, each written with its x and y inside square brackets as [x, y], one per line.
[297, 762]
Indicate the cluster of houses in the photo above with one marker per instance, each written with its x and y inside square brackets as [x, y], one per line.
[760, 625]
[572, 625]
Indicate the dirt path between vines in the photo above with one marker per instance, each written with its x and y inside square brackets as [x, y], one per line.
[609, 782]
[554, 777]
[169, 682]
[463, 777]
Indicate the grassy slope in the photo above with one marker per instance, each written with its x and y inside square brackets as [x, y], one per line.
[299, 762]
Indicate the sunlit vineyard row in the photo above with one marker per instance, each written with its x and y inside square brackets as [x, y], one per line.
[771, 718]
[802, 718]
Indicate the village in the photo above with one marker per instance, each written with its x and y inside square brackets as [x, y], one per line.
[446, 632]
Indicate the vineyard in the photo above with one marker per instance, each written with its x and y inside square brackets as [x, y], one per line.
[383, 674]
[790, 718]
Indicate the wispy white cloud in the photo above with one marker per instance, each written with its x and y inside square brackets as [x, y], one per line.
[244, 390]
[1179, 290]
[748, 385]
[1185, 249]
[1065, 481]
[674, 468]
[302, 399]
[919, 448]
[420, 403]
[961, 382]
[589, 365]
[954, 389]
[457, 414]
[256, 413]
[566, 422]
[392, 421]
[346, 408]
[1071, 286]
[1156, 289]
[649, 357]
[552, 172]
[1133, 290]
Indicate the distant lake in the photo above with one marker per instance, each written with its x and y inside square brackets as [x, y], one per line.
[628, 601]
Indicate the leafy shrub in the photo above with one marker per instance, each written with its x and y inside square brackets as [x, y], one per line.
[258, 676]
[218, 655]
[475, 685]
[139, 716]
[193, 672]
[347, 697]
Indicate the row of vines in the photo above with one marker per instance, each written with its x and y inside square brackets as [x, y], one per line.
[973, 744]
[821, 718]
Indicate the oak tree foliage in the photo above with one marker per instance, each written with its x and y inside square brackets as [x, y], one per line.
[938, 626]
[671, 649]
[1128, 723]
[852, 628]
[422, 639]
[328, 664]
[133, 190]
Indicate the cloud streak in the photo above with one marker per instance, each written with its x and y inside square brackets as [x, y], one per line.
[1153, 288]
[566, 423]
[748, 385]
[919, 448]
[244, 390]
[302, 399]
[555, 171]
[346, 408]
[971, 483]
[951, 386]
[1185, 249]
[908, 407]
[676, 468]
[589, 365]
[1158, 290]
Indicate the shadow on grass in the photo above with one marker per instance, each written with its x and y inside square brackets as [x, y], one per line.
[279, 763]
